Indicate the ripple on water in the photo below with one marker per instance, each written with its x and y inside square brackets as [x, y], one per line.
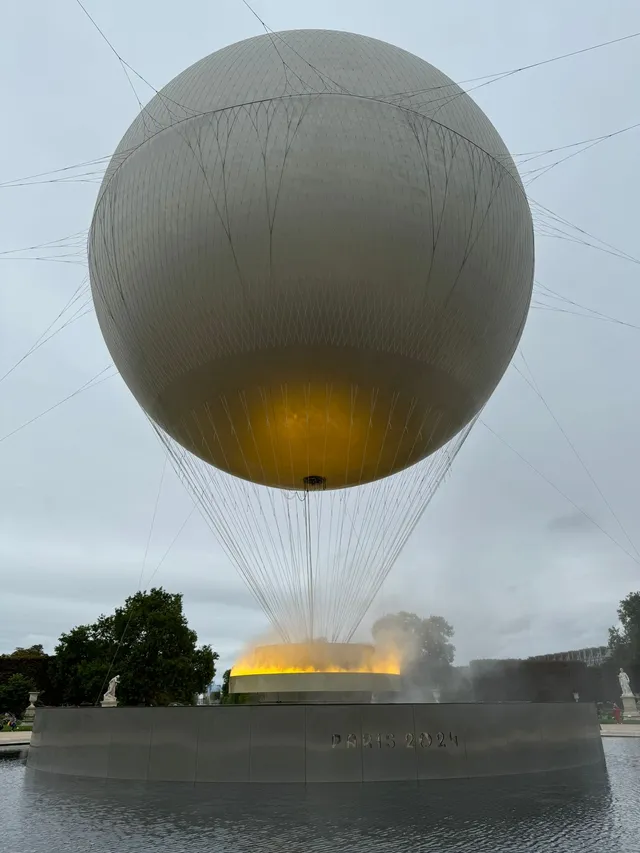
[573, 812]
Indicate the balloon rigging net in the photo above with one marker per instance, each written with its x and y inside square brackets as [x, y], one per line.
[314, 559]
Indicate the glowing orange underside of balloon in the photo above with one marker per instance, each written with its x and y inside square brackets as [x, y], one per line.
[284, 436]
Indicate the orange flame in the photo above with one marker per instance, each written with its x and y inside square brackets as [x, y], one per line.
[316, 657]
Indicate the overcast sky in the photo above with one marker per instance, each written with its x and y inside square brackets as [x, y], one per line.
[511, 563]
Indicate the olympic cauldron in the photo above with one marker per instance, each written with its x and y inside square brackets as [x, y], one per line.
[316, 672]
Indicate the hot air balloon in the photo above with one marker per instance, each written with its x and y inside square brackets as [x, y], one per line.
[311, 259]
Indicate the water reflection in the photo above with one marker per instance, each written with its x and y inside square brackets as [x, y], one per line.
[573, 811]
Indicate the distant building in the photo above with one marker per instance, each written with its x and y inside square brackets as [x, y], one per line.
[593, 656]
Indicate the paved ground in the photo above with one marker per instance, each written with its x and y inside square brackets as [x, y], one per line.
[14, 738]
[625, 730]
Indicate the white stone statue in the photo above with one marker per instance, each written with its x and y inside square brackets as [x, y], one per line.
[625, 684]
[110, 695]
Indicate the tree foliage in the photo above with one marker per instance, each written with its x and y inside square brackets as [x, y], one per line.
[34, 666]
[423, 644]
[147, 642]
[29, 652]
[82, 661]
[624, 641]
[227, 698]
[225, 682]
[14, 695]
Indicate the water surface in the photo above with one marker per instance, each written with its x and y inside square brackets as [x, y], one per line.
[569, 813]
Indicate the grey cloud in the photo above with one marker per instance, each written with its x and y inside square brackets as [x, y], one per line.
[571, 522]
[505, 557]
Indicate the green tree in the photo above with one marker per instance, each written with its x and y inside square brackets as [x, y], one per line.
[14, 695]
[624, 641]
[148, 643]
[82, 660]
[34, 665]
[226, 675]
[423, 645]
[227, 698]
[30, 652]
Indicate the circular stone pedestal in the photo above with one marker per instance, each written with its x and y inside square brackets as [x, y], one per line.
[316, 686]
[315, 742]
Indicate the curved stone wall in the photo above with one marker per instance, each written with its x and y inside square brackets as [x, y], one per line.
[314, 743]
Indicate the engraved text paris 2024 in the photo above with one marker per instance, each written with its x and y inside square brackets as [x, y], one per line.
[424, 740]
